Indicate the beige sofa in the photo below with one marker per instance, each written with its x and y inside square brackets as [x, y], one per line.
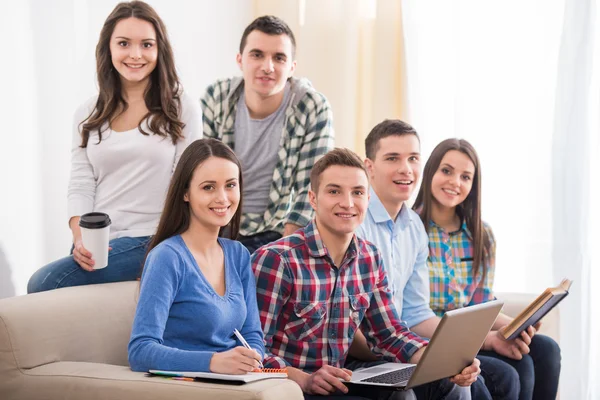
[72, 344]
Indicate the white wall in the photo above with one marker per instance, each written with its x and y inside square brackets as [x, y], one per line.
[48, 68]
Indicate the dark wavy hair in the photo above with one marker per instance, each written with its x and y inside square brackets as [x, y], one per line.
[469, 210]
[175, 217]
[162, 95]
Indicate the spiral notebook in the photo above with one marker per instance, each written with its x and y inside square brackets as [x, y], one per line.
[256, 375]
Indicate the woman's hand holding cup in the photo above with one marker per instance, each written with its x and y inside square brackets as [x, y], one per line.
[82, 256]
[91, 232]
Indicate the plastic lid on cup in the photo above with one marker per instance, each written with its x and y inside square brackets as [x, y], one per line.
[94, 220]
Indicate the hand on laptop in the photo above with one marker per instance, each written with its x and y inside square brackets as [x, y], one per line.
[468, 375]
[326, 380]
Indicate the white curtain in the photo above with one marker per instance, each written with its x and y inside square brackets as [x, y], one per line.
[486, 72]
[575, 195]
[520, 80]
[20, 150]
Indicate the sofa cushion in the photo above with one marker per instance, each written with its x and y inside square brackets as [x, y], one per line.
[82, 380]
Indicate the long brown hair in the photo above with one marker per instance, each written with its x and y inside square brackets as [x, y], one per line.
[175, 217]
[469, 210]
[162, 95]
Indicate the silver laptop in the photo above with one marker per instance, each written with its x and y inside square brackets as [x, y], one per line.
[454, 345]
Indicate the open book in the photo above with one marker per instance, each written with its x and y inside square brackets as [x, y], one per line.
[537, 309]
[257, 375]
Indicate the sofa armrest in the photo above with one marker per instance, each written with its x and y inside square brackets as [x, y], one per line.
[83, 323]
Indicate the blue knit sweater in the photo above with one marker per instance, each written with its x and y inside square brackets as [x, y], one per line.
[180, 321]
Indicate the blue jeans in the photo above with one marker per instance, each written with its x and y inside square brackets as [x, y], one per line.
[253, 242]
[500, 380]
[442, 389]
[125, 262]
[538, 371]
[357, 392]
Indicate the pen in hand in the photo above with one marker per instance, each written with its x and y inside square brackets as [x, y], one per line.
[244, 343]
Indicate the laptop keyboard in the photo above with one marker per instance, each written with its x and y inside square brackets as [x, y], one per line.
[392, 377]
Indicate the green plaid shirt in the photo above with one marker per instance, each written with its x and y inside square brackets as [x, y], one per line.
[307, 136]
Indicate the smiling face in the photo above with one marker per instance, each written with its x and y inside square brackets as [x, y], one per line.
[453, 180]
[214, 193]
[266, 63]
[341, 200]
[134, 50]
[396, 169]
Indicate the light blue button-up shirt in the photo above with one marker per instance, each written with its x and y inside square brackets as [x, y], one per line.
[404, 247]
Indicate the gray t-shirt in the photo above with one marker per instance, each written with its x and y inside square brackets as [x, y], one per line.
[256, 145]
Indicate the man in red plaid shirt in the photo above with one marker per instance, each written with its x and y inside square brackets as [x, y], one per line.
[317, 287]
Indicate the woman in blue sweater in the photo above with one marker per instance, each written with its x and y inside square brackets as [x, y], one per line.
[196, 286]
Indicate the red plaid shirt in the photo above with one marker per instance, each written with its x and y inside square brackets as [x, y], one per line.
[310, 310]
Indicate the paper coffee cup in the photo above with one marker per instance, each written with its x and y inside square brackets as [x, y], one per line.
[95, 230]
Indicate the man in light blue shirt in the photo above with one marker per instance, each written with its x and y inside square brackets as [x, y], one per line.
[393, 161]
[404, 247]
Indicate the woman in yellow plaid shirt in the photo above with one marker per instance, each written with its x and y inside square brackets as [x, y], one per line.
[462, 261]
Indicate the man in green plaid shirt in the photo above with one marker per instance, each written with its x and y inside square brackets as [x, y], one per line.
[278, 126]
